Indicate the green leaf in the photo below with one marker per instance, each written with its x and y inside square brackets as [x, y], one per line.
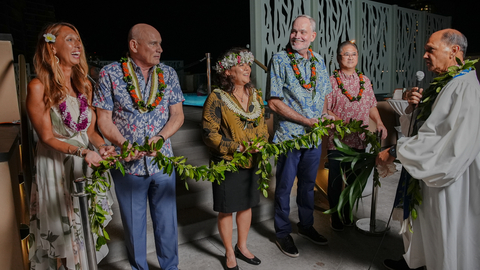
[105, 234]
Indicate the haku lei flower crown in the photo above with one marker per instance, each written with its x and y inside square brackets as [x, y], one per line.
[234, 59]
[313, 76]
[49, 38]
[156, 91]
[82, 119]
[345, 91]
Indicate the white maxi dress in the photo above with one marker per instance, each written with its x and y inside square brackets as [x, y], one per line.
[56, 229]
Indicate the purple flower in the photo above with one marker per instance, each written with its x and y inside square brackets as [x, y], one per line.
[82, 119]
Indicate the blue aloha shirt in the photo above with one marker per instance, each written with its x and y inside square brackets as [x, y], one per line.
[283, 84]
[111, 94]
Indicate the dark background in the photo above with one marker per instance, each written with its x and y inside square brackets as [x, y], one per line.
[189, 29]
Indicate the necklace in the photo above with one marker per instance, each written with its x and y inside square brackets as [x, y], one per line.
[299, 77]
[156, 91]
[345, 91]
[243, 95]
[253, 117]
[82, 119]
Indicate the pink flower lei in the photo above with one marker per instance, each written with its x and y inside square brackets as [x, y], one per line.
[82, 119]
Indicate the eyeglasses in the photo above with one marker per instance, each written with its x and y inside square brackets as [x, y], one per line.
[346, 55]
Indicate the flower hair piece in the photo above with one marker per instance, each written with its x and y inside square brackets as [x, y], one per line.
[49, 38]
[234, 59]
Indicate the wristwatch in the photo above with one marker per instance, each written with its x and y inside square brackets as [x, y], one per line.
[393, 151]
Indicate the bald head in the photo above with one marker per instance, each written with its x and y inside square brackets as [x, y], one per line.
[144, 44]
[139, 31]
[443, 48]
[454, 37]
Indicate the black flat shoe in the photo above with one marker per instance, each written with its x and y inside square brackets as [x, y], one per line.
[228, 268]
[254, 260]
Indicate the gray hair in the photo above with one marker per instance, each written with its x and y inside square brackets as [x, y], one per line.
[312, 21]
[454, 37]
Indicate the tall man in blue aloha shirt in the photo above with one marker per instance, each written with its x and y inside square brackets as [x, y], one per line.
[298, 104]
[122, 117]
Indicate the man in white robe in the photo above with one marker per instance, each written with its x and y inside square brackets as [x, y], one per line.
[445, 156]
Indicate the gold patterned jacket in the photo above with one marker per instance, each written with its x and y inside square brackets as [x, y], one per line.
[226, 124]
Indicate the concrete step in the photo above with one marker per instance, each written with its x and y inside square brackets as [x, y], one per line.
[192, 150]
[190, 131]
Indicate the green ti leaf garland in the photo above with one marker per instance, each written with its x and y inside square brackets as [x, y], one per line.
[216, 171]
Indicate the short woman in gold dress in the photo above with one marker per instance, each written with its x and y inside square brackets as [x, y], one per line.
[233, 114]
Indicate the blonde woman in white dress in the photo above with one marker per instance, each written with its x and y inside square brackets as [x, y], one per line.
[58, 104]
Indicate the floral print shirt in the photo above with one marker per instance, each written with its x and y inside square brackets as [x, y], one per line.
[111, 94]
[342, 107]
[283, 84]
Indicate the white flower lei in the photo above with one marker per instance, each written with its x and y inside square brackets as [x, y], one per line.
[232, 105]
[234, 59]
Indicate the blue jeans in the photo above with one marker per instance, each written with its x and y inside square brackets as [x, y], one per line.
[304, 164]
[132, 194]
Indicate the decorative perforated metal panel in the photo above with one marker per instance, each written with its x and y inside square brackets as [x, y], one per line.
[390, 39]
[335, 25]
[408, 47]
[376, 44]
[278, 18]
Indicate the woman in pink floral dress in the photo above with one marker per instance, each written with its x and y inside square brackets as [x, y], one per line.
[352, 97]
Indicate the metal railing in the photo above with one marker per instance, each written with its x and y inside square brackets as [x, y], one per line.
[208, 69]
[79, 192]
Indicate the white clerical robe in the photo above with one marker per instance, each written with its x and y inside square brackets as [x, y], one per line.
[445, 155]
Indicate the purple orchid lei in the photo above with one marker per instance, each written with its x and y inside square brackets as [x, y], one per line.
[82, 119]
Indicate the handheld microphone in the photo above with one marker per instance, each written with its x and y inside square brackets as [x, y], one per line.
[419, 75]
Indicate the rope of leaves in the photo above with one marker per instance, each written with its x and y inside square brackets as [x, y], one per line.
[216, 171]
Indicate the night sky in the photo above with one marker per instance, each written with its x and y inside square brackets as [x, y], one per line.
[189, 29]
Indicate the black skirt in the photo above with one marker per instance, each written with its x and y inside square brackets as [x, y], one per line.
[238, 192]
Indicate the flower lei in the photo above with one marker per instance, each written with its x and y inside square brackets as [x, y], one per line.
[428, 99]
[233, 59]
[82, 119]
[252, 117]
[345, 91]
[299, 77]
[133, 87]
